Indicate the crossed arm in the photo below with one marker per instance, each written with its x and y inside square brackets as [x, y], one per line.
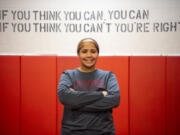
[89, 100]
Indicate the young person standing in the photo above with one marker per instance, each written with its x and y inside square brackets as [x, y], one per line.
[88, 94]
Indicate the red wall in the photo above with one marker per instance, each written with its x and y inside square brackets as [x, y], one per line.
[149, 94]
[10, 95]
[38, 95]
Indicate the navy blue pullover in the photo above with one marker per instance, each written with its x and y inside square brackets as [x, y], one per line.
[85, 107]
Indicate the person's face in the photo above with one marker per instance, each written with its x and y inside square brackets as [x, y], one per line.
[88, 55]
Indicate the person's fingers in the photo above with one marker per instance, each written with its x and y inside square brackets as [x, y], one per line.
[105, 93]
[71, 89]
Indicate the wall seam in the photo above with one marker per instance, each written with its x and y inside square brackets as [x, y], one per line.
[56, 99]
[165, 87]
[20, 95]
[129, 127]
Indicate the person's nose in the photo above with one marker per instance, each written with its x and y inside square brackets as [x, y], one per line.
[89, 54]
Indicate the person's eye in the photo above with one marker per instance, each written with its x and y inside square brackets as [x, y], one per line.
[84, 51]
[93, 51]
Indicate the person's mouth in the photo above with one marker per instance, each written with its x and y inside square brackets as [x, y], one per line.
[89, 61]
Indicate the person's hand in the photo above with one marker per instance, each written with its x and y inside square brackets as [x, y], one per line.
[71, 89]
[105, 93]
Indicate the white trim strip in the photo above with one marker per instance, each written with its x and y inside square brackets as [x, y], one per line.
[101, 54]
